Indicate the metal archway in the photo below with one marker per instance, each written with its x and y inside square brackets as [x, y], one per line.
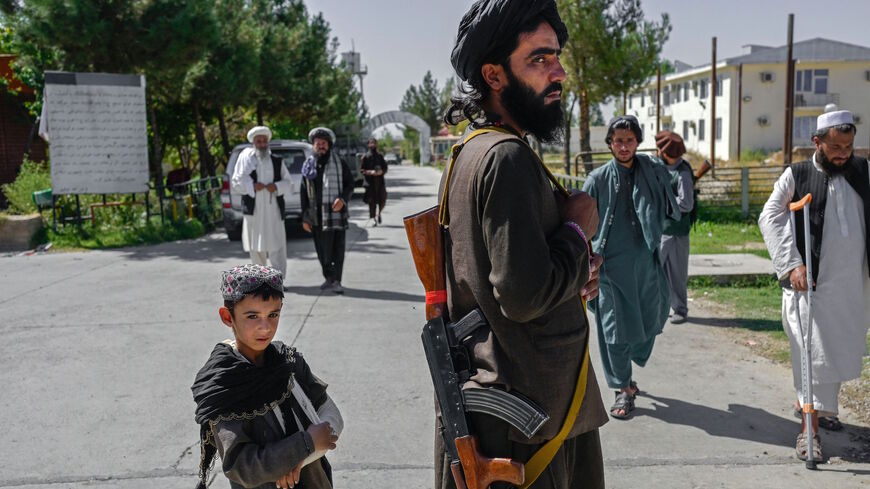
[408, 119]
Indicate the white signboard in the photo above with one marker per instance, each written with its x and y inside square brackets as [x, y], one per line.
[96, 127]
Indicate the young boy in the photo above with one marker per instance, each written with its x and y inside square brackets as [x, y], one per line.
[257, 403]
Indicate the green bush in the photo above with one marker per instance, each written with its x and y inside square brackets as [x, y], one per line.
[31, 177]
[754, 155]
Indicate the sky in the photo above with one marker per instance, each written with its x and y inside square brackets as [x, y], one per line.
[399, 40]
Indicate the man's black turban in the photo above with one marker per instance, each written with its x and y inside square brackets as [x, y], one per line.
[489, 24]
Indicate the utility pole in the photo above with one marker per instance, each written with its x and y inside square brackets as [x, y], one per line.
[659, 99]
[714, 85]
[789, 96]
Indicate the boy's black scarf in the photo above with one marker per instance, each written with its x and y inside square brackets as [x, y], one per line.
[229, 387]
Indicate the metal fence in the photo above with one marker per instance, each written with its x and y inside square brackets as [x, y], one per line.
[728, 187]
[199, 198]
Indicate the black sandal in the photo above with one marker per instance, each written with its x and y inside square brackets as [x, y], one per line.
[625, 402]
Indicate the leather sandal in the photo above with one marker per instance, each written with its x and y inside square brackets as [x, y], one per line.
[624, 402]
[801, 447]
[830, 423]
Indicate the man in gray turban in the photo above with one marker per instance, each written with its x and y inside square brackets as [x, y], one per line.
[515, 251]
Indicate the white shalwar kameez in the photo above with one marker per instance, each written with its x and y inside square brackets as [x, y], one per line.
[841, 300]
[263, 234]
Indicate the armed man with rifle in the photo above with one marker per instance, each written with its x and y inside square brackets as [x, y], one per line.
[517, 262]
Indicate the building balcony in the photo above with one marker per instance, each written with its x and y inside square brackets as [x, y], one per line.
[819, 100]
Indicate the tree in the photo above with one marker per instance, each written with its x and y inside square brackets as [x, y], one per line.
[425, 101]
[611, 50]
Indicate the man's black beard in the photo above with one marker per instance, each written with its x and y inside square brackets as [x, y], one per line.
[530, 111]
[829, 166]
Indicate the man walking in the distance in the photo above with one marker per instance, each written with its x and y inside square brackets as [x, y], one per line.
[327, 186]
[675, 234]
[374, 168]
[839, 220]
[262, 180]
[634, 199]
[513, 249]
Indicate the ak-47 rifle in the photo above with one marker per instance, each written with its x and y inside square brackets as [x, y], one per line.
[450, 366]
[702, 170]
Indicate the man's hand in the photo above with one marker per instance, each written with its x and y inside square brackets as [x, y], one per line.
[323, 435]
[272, 188]
[798, 278]
[306, 227]
[291, 479]
[338, 205]
[590, 290]
[258, 186]
[583, 210]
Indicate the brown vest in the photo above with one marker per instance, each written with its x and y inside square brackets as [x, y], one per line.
[540, 358]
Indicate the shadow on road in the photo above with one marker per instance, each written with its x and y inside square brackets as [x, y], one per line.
[751, 324]
[755, 424]
[380, 295]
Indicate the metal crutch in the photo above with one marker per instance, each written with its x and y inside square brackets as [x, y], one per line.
[806, 359]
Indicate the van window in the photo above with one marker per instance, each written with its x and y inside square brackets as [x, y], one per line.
[293, 158]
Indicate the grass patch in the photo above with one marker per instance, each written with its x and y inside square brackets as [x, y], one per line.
[755, 306]
[723, 229]
[88, 236]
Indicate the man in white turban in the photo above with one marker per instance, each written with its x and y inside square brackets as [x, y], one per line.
[839, 254]
[262, 180]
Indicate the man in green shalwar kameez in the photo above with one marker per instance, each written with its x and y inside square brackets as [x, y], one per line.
[634, 198]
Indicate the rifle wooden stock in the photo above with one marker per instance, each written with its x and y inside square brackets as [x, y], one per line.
[482, 471]
[703, 169]
[427, 248]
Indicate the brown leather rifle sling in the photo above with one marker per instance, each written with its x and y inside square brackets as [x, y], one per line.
[539, 461]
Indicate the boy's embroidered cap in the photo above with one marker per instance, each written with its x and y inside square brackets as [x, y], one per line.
[241, 280]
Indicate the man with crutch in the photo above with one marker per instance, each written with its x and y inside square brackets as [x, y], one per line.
[826, 281]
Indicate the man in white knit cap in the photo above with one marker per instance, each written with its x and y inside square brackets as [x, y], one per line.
[262, 180]
[839, 183]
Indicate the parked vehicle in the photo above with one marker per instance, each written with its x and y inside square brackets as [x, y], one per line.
[294, 154]
[391, 159]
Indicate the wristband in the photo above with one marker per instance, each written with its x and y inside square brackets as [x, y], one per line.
[576, 227]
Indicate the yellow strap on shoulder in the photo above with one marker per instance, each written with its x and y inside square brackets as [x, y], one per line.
[539, 461]
[443, 218]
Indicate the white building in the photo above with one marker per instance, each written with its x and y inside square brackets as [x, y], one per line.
[825, 72]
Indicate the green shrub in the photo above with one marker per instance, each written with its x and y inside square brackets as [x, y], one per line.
[758, 155]
[31, 177]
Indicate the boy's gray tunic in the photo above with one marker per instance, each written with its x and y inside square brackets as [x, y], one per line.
[509, 253]
[632, 304]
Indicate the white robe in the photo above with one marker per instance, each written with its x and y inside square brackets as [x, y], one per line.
[841, 301]
[264, 230]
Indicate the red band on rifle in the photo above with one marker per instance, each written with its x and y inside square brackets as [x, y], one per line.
[436, 297]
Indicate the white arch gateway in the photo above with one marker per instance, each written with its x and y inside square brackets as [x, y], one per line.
[408, 119]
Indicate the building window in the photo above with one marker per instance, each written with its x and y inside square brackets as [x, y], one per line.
[821, 81]
[704, 88]
[629, 100]
[718, 129]
[718, 88]
[701, 123]
[666, 97]
[641, 99]
[804, 127]
[676, 92]
[686, 91]
[685, 130]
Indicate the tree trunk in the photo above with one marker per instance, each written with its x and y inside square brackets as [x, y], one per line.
[156, 148]
[206, 166]
[585, 146]
[259, 112]
[225, 136]
[569, 118]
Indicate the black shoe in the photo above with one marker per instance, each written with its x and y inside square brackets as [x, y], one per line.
[379, 218]
[337, 288]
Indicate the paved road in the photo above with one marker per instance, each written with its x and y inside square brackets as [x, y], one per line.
[102, 348]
